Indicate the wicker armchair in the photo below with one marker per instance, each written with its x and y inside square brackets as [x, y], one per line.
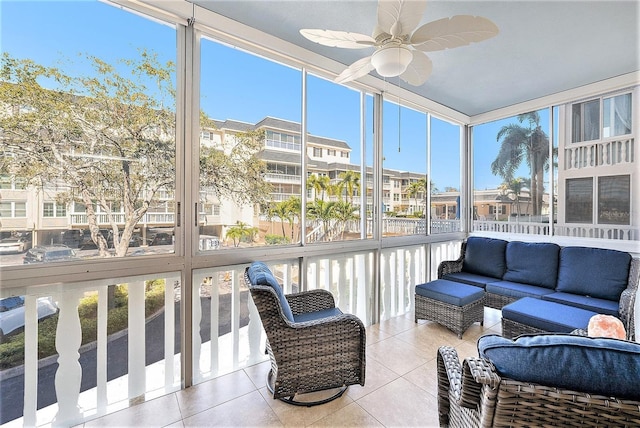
[321, 349]
[472, 394]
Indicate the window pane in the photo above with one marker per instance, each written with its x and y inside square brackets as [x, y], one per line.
[586, 121]
[109, 110]
[404, 170]
[48, 210]
[333, 210]
[617, 116]
[579, 200]
[511, 180]
[614, 200]
[445, 173]
[251, 108]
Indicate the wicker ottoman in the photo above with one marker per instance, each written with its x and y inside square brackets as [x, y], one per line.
[530, 315]
[451, 304]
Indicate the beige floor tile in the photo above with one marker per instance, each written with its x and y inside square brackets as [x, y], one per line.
[258, 373]
[397, 324]
[298, 416]
[155, 413]
[178, 424]
[396, 355]
[211, 393]
[250, 410]
[351, 415]
[425, 377]
[428, 338]
[374, 334]
[401, 404]
[376, 375]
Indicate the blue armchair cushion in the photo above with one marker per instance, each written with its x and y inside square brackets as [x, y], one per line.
[534, 263]
[608, 367]
[485, 256]
[260, 274]
[594, 272]
[313, 316]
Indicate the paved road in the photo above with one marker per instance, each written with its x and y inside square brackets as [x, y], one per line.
[12, 389]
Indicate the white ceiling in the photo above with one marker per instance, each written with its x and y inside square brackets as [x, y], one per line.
[544, 47]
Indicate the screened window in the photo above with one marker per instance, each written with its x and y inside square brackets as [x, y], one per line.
[614, 199]
[585, 121]
[617, 116]
[579, 200]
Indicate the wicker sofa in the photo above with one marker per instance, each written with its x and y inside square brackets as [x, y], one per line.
[545, 380]
[579, 280]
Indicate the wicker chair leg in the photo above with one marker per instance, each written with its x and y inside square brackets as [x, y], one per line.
[290, 400]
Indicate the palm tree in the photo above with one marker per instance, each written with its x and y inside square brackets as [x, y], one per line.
[318, 183]
[323, 211]
[529, 144]
[514, 187]
[283, 211]
[351, 182]
[295, 209]
[343, 211]
[416, 188]
[239, 231]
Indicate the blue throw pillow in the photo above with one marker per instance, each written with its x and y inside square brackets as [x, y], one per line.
[260, 274]
[534, 263]
[594, 272]
[485, 256]
[608, 367]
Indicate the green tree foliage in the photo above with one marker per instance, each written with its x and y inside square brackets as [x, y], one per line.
[528, 144]
[241, 231]
[109, 138]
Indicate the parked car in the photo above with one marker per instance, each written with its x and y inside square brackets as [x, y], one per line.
[87, 242]
[72, 238]
[12, 312]
[161, 239]
[49, 253]
[15, 244]
[134, 241]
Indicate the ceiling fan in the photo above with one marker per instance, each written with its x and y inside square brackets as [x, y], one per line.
[399, 49]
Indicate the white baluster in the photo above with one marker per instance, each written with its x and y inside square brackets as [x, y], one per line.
[214, 321]
[101, 349]
[30, 360]
[256, 344]
[169, 328]
[137, 341]
[362, 281]
[196, 313]
[235, 317]
[69, 373]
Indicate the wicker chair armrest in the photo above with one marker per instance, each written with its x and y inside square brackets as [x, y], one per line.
[449, 379]
[304, 338]
[450, 266]
[628, 299]
[310, 301]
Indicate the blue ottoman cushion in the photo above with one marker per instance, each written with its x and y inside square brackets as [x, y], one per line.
[534, 263]
[608, 367]
[453, 293]
[260, 274]
[485, 256]
[594, 272]
[547, 316]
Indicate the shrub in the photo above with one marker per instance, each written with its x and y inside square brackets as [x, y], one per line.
[275, 239]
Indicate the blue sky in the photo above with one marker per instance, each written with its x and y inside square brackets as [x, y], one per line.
[239, 86]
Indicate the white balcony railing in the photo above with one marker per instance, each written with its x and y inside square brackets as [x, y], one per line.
[80, 219]
[597, 154]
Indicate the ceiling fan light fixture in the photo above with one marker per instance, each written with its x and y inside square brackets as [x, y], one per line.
[391, 61]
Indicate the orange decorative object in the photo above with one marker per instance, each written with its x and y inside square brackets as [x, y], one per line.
[606, 326]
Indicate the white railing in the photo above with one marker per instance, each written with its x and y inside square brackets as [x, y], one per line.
[78, 219]
[625, 233]
[270, 176]
[122, 354]
[607, 153]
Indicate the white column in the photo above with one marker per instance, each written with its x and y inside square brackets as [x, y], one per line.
[69, 373]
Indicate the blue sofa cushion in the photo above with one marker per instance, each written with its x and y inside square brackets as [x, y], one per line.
[485, 256]
[260, 274]
[534, 263]
[312, 316]
[547, 316]
[470, 278]
[453, 293]
[601, 306]
[608, 367]
[594, 272]
[516, 289]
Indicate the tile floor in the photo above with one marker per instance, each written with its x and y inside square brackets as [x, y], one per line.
[400, 390]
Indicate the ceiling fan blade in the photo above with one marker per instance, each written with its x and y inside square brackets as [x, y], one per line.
[399, 17]
[356, 70]
[447, 33]
[419, 69]
[338, 39]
